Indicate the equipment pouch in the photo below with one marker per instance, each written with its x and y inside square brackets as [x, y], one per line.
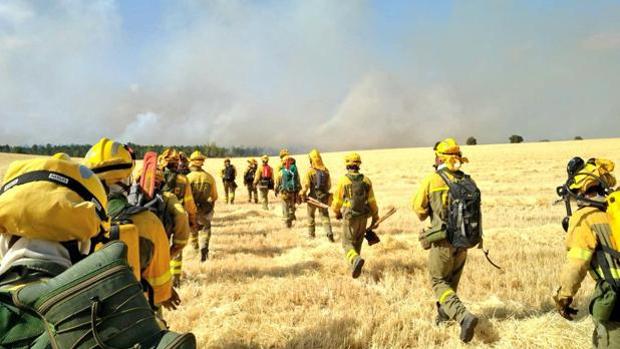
[428, 236]
[604, 302]
[98, 303]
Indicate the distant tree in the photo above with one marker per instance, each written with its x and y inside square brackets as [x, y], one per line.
[515, 139]
[471, 141]
[545, 140]
[579, 138]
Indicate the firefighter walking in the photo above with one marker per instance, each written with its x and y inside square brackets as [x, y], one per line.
[354, 202]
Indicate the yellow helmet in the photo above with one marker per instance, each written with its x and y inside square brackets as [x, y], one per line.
[316, 161]
[449, 153]
[593, 173]
[62, 156]
[112, 161]
[283, 153]
[169, 156]
[52, 199]
[353, 159]
[197, 156]
[264, 158]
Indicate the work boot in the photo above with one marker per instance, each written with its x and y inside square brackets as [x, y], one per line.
[357, 267]
[176, 281]
[330, 237]
[441, 315]
[468, 325]
[204, 254]
[288, 224]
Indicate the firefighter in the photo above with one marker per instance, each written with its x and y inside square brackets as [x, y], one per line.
[204, 192]
[178, 185]
[354, 202]
[248, 180]
[592, 244]
[229, 176]
[317, 185]
[446, 262]
[264, 181]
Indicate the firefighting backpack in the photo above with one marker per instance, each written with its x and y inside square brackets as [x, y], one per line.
[97, 303]
[290, 178]
[320, 189]
[358, 196]
[464, 223]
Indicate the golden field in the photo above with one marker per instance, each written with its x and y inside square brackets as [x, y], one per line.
[266, 286]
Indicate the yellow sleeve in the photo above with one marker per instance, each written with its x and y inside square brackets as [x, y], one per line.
[420, 201]
[580, 244]
[338, 199]
[258, 174]
[305, 187]
[214, 196]
[157, 272]
[277, 174]
[181, 222]
[189, 204]
[372, 202]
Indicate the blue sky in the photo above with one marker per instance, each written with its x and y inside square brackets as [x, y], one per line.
[300, 73]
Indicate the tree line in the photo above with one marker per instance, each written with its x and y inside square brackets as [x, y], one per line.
[79, 150]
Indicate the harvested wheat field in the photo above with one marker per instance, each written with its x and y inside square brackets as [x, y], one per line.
[270, 287]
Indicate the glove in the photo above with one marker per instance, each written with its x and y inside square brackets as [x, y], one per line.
[173, 302]
[562, 305]
[374, 221]
[304, 198]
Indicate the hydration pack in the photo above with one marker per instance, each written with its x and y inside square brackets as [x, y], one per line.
[358, 196]
[464, 218]
[266, 177]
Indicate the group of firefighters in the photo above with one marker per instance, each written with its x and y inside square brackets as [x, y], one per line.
[169, 202]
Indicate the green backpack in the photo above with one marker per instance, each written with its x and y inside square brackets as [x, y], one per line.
[97, 303]
[290, 178]
[358, 196]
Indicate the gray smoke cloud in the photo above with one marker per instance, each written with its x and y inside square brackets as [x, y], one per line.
[331, 74]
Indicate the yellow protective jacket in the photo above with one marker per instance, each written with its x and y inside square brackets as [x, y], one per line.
[342, 197]
[582, 240]
[310, 180]
[431, 199]
[177, 228]
[204, 189]
[183, 192]
[154, 254]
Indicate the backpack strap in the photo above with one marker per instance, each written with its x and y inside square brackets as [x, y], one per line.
[602, 251]
[451, 185]
[59, 179]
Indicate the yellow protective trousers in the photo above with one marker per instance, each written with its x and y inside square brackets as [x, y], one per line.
[445, 265]
[353, 231]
